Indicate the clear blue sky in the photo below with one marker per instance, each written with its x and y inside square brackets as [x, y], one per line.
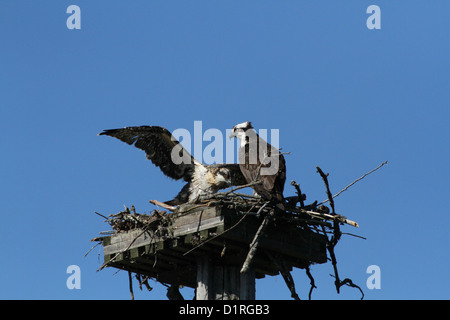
[344, 98]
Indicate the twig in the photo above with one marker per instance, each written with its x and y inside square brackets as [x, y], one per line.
[222, 195]
[330, 247]
[345, 189]
[312, 282]
[334, 240]
[349, 282]
[130, 283]
[251, 184]
[285, 273]
[155, 255]
[325, 216]
[325, 180]
[255, 242]
[354, 235]
[143, 282]
[336, 231]
[299, 193]
[163, 205]
[101, 215]
[100, 242]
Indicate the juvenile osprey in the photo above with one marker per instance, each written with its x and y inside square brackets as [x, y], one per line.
[175, 162]
[259, 160]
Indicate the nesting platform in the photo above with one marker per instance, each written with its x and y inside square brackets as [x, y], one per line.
[196, 246]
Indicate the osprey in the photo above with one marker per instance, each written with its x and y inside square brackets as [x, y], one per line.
[259, 160]
[175, 162]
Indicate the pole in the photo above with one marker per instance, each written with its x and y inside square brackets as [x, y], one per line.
[218, 281]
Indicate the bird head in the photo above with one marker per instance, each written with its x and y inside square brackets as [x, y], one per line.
[239, 130]
[223, 178]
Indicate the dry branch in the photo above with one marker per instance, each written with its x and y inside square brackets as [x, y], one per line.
[300, 195]
[312, 282]
[355, 181]
[325, 180]
[281, 265]
[162, 205]
[255, 241]
[325, 216]
[130, 284]
[251, 184]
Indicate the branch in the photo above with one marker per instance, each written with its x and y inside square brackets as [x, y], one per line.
[163, 205]
[312, 282]
[325, 180]
[251, 184]
[143, 282]
[349, 282]
[325, 216]
[130, 282]
[300, 197]
[285, 273]
[366, 174]
[99, 242]
[101, 215]
[255, 242]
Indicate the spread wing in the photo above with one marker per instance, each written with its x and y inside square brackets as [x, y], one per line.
[161, 148]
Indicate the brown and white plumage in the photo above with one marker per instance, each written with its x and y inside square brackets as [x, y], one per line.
[259, 160]
[162, 148]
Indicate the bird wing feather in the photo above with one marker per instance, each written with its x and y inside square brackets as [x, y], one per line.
[158, 144]
[272, 185]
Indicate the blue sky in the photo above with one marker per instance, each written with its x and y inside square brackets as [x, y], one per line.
[344, 98]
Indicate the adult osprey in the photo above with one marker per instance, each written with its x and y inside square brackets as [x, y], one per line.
[259, 160]
[175, 162]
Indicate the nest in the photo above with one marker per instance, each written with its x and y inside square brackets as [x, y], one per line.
[315, 216]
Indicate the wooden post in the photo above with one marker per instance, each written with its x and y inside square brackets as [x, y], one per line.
[247, 285]
[204, 279]
[223, 282]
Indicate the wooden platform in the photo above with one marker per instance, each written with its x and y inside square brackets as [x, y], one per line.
[171, 252]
